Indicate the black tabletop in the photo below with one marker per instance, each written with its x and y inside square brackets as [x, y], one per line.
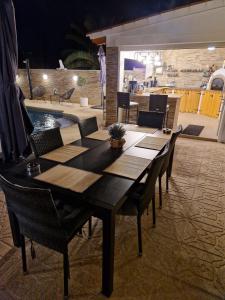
[107, 192]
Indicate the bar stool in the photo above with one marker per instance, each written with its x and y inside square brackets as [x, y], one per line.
[159, 103]
[123, 101]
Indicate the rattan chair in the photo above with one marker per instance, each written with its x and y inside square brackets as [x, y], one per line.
[168, 163]
[123, 101]
[66, 96]
[43, 220]
[140, 197]
[45, 141]
[152, 119]
[87, 126]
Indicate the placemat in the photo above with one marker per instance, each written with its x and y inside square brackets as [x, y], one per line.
[149, 154]
[154, 143]
[73, 179]
[137, 128]
[101, 135]
[65, 153]
[128, 166]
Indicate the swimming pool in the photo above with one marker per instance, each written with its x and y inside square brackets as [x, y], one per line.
[43, 120]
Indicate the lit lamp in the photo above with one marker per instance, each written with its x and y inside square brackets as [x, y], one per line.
[17, 78]
[45, 76]
[211, 48]
[75, 78]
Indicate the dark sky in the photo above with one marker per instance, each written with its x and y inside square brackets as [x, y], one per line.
[42, 24]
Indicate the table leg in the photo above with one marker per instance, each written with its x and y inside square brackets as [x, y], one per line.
[108, 253]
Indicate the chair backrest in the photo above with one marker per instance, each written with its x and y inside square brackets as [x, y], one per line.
[34, 210]
[171, 149]
[87, 126]
[158, 103]
[123, 100]
[45, 141]
[68, 94]
[151, 119]
[153, 173]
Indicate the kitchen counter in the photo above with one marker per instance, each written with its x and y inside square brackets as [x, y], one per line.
[143, 102]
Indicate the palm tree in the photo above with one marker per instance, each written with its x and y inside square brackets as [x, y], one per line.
[83, 55]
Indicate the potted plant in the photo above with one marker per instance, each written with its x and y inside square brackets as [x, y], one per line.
[81, 82]
[117, 132]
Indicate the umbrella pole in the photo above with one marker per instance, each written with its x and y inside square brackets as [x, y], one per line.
[27, 63]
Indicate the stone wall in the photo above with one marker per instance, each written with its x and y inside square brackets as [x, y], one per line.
[112, 70]
[183, 59]
[195, 59]
[63, 81]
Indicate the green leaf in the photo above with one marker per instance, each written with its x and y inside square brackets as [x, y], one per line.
[81, 58]
[78, 29]
[80, 40]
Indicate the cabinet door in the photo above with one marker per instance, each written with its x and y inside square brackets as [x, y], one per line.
[211, 103]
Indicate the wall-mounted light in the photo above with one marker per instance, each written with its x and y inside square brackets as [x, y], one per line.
[17, 78]
[157, 63]
[157, 58]
[211, 48]
[45, 76]
[75, 78]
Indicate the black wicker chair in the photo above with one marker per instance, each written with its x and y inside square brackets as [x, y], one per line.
[159, 103]
[45, 141]
[66, 96]
[44, 221]
[87, 126]
[140, 197]
[152, 119]
[168, 163]
[123, 101]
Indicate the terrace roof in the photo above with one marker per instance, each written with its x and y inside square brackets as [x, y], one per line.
[191, 26]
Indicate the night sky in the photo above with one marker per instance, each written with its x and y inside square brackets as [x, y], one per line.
[42, 24]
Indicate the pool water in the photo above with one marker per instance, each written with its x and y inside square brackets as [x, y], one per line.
[43, 120]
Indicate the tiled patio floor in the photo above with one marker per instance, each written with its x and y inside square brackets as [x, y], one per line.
[184, 256]
[210, 124]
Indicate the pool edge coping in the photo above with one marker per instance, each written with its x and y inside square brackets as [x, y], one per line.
[66, 115]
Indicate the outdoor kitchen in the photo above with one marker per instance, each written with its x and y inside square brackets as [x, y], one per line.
[193, 79]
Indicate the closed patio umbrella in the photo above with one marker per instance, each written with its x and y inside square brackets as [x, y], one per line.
[101, 57]
[14, 120]
[102, 76]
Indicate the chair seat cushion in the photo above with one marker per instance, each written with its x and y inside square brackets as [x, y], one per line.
[73, 218]
[130, 206]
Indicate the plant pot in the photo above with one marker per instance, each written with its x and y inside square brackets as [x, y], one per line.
[117, 143]
[83, 101]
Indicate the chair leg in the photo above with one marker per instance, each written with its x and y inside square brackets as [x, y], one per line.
[23, 252]
[137, 114]
[139, 235]
[153, 210]
[66, 273]
[90, 228]
[170, 167]
[167, 182]
[160, 192]
[128, 116]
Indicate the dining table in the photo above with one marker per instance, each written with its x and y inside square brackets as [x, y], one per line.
[107, 193]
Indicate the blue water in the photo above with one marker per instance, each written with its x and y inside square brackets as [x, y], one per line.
[45, 120]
